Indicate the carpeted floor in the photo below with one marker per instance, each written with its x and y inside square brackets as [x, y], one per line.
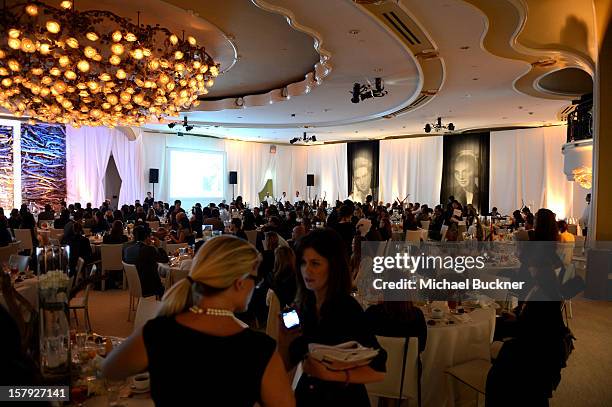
[585, 382]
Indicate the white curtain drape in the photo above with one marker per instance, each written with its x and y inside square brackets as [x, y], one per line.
[329, 166]
[527, 169]
[411, 167]
[129, 159]
[291, 166]
[255, 165]
[87, 152]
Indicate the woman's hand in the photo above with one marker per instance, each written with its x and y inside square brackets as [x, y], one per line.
[314, 368]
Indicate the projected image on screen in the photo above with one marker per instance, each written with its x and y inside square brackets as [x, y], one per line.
[196, 176]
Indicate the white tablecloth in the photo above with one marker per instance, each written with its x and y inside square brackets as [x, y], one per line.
[451, 345]
[29, 290]
[171, 274]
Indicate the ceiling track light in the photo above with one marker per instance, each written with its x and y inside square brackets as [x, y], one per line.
[437, 126]
[361, 92]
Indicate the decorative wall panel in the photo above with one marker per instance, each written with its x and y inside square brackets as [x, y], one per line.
[43, 164]
[6, 168]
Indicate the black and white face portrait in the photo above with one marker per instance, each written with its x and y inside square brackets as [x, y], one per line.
[465, 175]
[362, 178]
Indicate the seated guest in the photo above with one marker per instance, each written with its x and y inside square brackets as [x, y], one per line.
[410, 222]
[248, 220]
[197, 220]
[259, 220]
[145, 256]
[151, 216]
[423, 216]
[183, 232]
[384, 226]
[297, 232]
[101, 225]
[140, 214]
[283, 276]
[79, 247]
[60, 222]
[345, 227]
[47, 214]
[517, 219]
[532, 355]
[5, 234]
[236, 229]
[495, 213]
[14, 220]
[329, 315]
[197, 313]
[564, 235]
[115, 236]
[436, 223]
[88, 220]
[28, 222]
[118, 215]
[214, 220]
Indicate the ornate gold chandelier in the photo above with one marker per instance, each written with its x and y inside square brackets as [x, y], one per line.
[94, 68]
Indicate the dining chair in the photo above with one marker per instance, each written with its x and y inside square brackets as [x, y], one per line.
[273, 315]
[135, 290]
[25, 237]
[7, 251]
[251, 236]
[147, 309]
[111, 260]
[81, 302]
[402, 380]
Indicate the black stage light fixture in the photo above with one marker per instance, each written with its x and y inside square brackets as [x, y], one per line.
[171, 125]
[428, 128]
[451, 127]
[313, 138]
[188, 128]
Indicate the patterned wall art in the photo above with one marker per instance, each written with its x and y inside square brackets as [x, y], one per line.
[6, 168]
[43, 164]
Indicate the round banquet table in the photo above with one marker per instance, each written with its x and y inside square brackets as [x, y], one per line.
[28, 289]
[449, 345]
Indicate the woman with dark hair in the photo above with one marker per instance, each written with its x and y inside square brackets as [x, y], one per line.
[118, 215]
[28, 222]
[410, 222]
[533, 358]
[545, 227]
[283, 276]
[5, 235]
[248, 220]
[330, 316]
[197, 220]
[14, 220]
[60, 222]
[151, 216]
[101, 225]
[116, 235]
[517, 219]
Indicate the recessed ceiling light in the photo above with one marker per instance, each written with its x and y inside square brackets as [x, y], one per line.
[465, 47]
[530, 112]
[467, 95]
[292, 114]
[239, 117]
[475, 79]
[520, 107]
[354, 32]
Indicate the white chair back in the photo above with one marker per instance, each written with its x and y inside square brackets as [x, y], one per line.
[112, 255]
[251, 236]
[425, 224]
[565, 251]
[133, 280]
[173, 247]
[413, 236]
[390, 386]
[25, 237]
[21, 261]
[148, 308]
[153, 225]
[273, 316]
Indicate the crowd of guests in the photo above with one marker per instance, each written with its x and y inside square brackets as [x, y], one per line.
[309, 262]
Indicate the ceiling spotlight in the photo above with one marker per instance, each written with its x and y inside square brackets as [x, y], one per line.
[366, 91]
[313, 138]
[188, 128]
[171, 125]
[438, 126]
[305, 139]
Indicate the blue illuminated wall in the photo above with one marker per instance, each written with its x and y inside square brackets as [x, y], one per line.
[43, 163]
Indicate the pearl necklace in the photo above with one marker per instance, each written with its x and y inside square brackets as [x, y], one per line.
[212, 311]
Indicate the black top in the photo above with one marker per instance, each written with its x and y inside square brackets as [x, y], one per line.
[342, 320]
[187, 365]
[145, 258]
